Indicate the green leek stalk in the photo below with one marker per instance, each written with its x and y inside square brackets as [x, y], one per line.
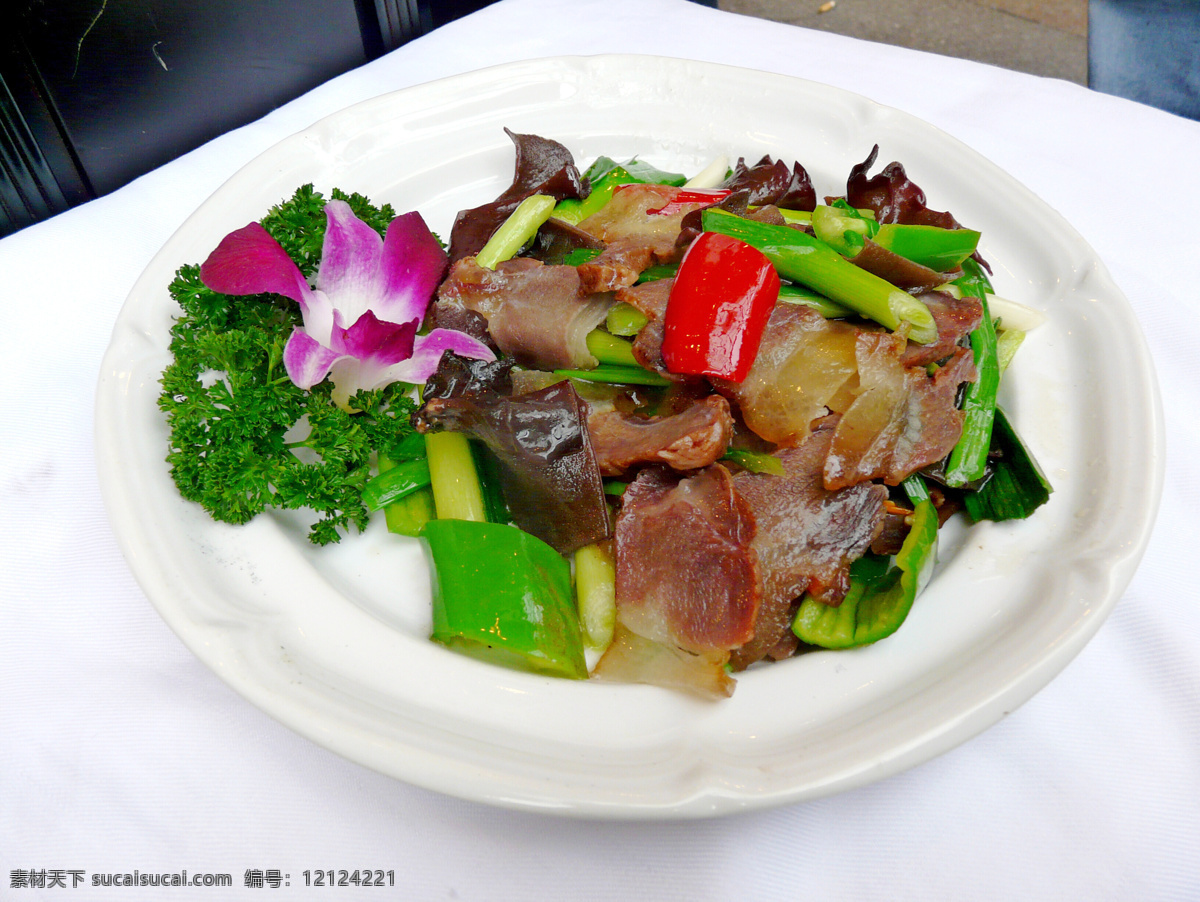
[596, 592]
[487, 468]
[616, 375]
[1007, 342]
[625, 319]
[503, 596]
[968, 460]
[800, 216]
[1017, 486]
[395, 481]
[799, 257]
[711, 176]
[845, 229]
[798, 294]
[842, 228]
[755, 461]
[516, 231]
[880, 597]
[916, 488]
[609, 349]
[406, 514]
[457, 494]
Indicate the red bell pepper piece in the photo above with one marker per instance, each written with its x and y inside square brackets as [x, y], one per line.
[718, 308]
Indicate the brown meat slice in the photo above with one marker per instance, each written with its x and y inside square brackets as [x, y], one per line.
[806, 538]
[534, 312]
[954, 318]
[903, 418]
[805, 367]
[627, 216]
[647, 350]
[650, 297]
[617, 266]
[686, 573]
[688, 440]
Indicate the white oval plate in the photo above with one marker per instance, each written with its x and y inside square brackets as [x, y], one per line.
[332, 642]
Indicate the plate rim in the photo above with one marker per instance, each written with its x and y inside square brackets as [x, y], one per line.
[931, 743]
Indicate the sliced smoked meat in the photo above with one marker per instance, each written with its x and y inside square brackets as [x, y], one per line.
[628, 217]
[686, 572]
[534, 312]
[903, 418]
[806, 537]
[617, 266]
[634, 659]
[689, 440]
[805, 367]
[955, 318]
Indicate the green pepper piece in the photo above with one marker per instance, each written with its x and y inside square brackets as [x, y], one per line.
[503, 596]
[939, 249]
[876, 605]
[652, 175]
[576, 211]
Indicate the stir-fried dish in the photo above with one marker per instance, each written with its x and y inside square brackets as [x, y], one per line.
[647, 429]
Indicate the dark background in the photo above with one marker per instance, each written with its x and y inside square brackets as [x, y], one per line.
[94, 93]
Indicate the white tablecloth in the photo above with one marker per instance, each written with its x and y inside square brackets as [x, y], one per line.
[119, 751]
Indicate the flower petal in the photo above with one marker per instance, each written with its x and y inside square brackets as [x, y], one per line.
[250, 261]
[427, 353]
[350, 273]
[351, 375]
[306, 360]
[413, 265]
[372, 339]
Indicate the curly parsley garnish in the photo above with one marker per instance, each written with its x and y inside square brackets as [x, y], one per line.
[244, 437]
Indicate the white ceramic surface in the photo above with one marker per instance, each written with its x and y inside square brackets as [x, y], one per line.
[332, 642]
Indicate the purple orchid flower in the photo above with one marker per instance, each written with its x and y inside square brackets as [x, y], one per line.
[361, 318]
